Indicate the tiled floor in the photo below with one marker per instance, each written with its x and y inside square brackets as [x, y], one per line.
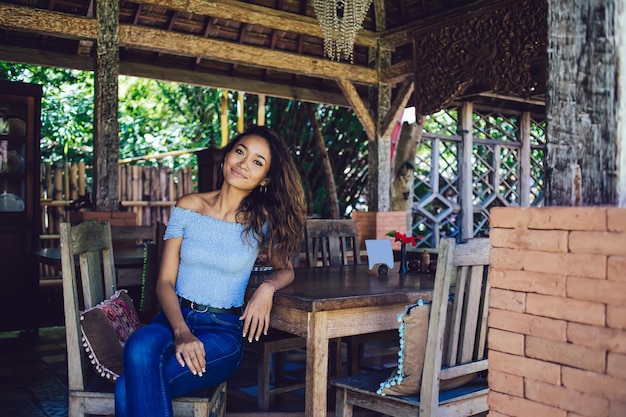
[33, 378]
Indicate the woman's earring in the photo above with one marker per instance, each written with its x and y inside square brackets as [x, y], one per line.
[263, 189]
[221, 166]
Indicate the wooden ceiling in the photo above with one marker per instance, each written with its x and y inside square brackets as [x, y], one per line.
[272, 47]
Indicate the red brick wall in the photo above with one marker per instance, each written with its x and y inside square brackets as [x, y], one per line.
[557, 316]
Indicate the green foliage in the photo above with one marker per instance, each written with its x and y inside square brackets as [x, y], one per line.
[67, 109]
[346, 144]
[157, 117]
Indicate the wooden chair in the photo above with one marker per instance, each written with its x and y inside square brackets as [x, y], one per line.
[90, 244]
[466, 264]
[336, 242]
[149, 304]
[132, 235]
[332, 242]
[327, 242]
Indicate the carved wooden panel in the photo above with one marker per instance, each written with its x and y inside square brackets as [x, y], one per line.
[501, 49]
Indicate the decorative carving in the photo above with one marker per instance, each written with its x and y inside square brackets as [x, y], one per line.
[491, 51]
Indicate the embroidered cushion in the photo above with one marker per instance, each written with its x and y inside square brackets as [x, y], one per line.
[105, 329]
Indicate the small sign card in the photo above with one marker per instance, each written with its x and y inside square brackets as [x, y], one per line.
[379, 253]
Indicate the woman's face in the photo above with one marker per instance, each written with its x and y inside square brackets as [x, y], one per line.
[247, 164]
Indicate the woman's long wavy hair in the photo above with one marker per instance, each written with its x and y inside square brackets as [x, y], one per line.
[280, 204]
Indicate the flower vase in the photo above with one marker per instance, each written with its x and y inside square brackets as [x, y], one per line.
[403, 266]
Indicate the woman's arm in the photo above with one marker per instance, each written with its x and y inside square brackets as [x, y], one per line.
[189, 350]
[256, 315]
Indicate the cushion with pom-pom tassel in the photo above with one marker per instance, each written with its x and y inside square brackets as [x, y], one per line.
[105, 329]
[407, 376]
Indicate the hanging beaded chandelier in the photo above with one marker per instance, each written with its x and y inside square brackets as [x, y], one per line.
[340, 20]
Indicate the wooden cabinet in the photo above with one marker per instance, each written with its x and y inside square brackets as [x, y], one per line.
[20, 125]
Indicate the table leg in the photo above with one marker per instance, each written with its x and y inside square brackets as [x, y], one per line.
[316, 365]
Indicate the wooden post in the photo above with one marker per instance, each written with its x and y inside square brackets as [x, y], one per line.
[82, 179]
[620, 45]
[240, 112]
[465, 161]
[379, 150]
[582, 93]
[224, 118]
[106, 125]
[524, 177]
[261, 111]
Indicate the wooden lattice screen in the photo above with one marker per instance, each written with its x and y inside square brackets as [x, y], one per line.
[469, 162]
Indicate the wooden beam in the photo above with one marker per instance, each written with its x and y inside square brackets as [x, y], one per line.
[235, 53]
[258, 15]
[397, 73]
[41, 21]
[397, 108]
[70, 26]
[359, 108]
[83, 63]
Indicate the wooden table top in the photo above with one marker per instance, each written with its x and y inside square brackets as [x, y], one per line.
[340, 287]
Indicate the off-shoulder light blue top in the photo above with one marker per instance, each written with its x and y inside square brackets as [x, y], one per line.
[216, 258]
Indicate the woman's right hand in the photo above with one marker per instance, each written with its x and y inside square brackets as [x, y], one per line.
[189, 350]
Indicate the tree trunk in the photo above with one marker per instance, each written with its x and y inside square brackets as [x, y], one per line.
[581, 163]
[404, 168]
[328, 170]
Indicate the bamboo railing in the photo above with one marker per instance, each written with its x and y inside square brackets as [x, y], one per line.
[148, 191]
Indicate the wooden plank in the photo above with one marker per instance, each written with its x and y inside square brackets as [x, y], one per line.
[179, 75]
[470, 315]
[473, 252]
[397, 108]
[258, 15]
[457, 317]
[463, 369]
[358, 106]
[57, 24]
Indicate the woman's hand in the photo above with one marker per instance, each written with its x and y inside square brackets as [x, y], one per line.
[256, 316]
[189, 350]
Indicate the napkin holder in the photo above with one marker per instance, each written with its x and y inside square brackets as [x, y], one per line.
[379, 256]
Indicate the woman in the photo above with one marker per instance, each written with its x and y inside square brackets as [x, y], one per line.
[211, 243]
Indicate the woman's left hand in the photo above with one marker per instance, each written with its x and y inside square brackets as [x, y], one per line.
[256, 316]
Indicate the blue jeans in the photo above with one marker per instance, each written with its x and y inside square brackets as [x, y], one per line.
[152, 376]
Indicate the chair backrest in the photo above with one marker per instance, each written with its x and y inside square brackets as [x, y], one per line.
[130, 236]
[329, 241]
[90, 244]
[149, 305]
[462, 270]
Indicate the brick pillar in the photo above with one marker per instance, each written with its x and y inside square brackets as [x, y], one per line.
[557, 316]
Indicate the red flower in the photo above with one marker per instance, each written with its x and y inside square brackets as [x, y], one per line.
[401, 237]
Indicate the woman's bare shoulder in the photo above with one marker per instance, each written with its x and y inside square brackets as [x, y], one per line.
[196, 201]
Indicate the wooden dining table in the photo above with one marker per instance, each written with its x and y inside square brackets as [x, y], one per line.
[329, 302]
